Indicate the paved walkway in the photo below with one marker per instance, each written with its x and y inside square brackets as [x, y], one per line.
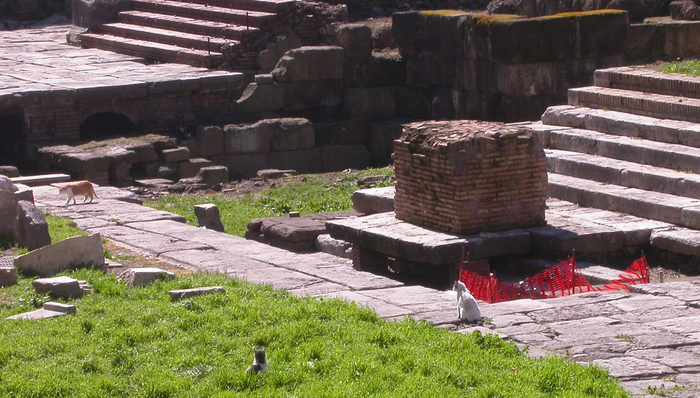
[645, 338]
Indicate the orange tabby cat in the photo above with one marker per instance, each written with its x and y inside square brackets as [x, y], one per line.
[79, 188]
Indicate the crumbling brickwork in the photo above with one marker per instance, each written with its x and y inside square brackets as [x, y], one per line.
[469, 176]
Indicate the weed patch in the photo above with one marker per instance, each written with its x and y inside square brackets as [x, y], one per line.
[308, 195]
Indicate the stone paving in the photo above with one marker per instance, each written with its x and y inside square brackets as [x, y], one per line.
[41, 60]
[648, 337]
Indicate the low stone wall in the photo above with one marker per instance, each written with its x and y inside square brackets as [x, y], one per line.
[283, 143]
[30, 10]
[662, 38]
[469, 177]
[504, 67]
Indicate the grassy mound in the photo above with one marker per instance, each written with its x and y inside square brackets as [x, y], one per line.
[135, 342]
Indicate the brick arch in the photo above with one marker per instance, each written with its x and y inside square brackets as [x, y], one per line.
[106, 124]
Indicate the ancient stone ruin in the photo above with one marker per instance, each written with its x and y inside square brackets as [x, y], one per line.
[467, 177]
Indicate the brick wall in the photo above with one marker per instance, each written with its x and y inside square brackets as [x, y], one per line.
[468, 176]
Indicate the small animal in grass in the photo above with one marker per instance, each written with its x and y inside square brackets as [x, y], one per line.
[79, 188]
[467, 306]
[259, 362]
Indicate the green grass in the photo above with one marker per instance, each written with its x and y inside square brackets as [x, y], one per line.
[691, 67]
[314, 195]
[135, 342]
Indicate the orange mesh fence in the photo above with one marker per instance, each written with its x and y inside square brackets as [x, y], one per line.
[563, 279]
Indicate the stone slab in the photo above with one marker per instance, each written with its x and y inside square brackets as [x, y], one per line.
[381, 307]
[69, 253]
[60, 307]
[8, 272]
[373, 200]
[197, 291]
[382, 232]
[61, 286]
[37, 314]
[152, 242]
[626, 368]
[144, 276]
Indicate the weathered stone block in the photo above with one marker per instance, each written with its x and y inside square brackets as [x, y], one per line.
[304, 161]
[175, 155]
[324, 243]
[531, 40]
[310, 63]
[381, 140]
[213, 175]
[341, 157]
[601, 33]
[260, 98]
[8, 272]
[355, 39]
[66, 254]
[527, 79]
[30, 229]
[144, 276]
[431, 68]
[9, 171]
[380, 69]
[167, 170]
[369, 103]
[413, 101]
[210, 141]
[347, 132]
[8, 211]
[208, 217]
[312, 94]
[191, 167]
[186, 293]
[243, 166]
[61, 286]
[290, 134]
[91, 14]
[59, 307]
[268, 58]
[373, 200]
[404, 28]
[247, 138]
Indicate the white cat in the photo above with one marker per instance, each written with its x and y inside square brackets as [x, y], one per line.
[467, 306]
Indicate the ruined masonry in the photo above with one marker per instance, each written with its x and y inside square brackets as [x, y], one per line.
[468, 177]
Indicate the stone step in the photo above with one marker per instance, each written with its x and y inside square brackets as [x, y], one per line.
[187, 25]
[648, 81]
[202, 11]
[623, 173]
[636, 102]
[637, 202]
[181, 39]
[669, 156]
[620, 123]
[146, 49]
[274, 6]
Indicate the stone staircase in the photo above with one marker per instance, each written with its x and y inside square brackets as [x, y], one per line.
[193, 32]
[630, 144]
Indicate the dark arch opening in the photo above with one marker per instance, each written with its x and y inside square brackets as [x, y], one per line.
[106, 124]
[11, 137]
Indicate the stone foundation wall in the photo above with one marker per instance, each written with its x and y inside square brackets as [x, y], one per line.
[156, 108]
[502, 67]
[28, 10]
[467, 176]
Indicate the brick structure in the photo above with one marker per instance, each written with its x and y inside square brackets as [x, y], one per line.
[468, 177]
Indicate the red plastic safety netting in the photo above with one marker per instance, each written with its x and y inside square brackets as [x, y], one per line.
[563, 279]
